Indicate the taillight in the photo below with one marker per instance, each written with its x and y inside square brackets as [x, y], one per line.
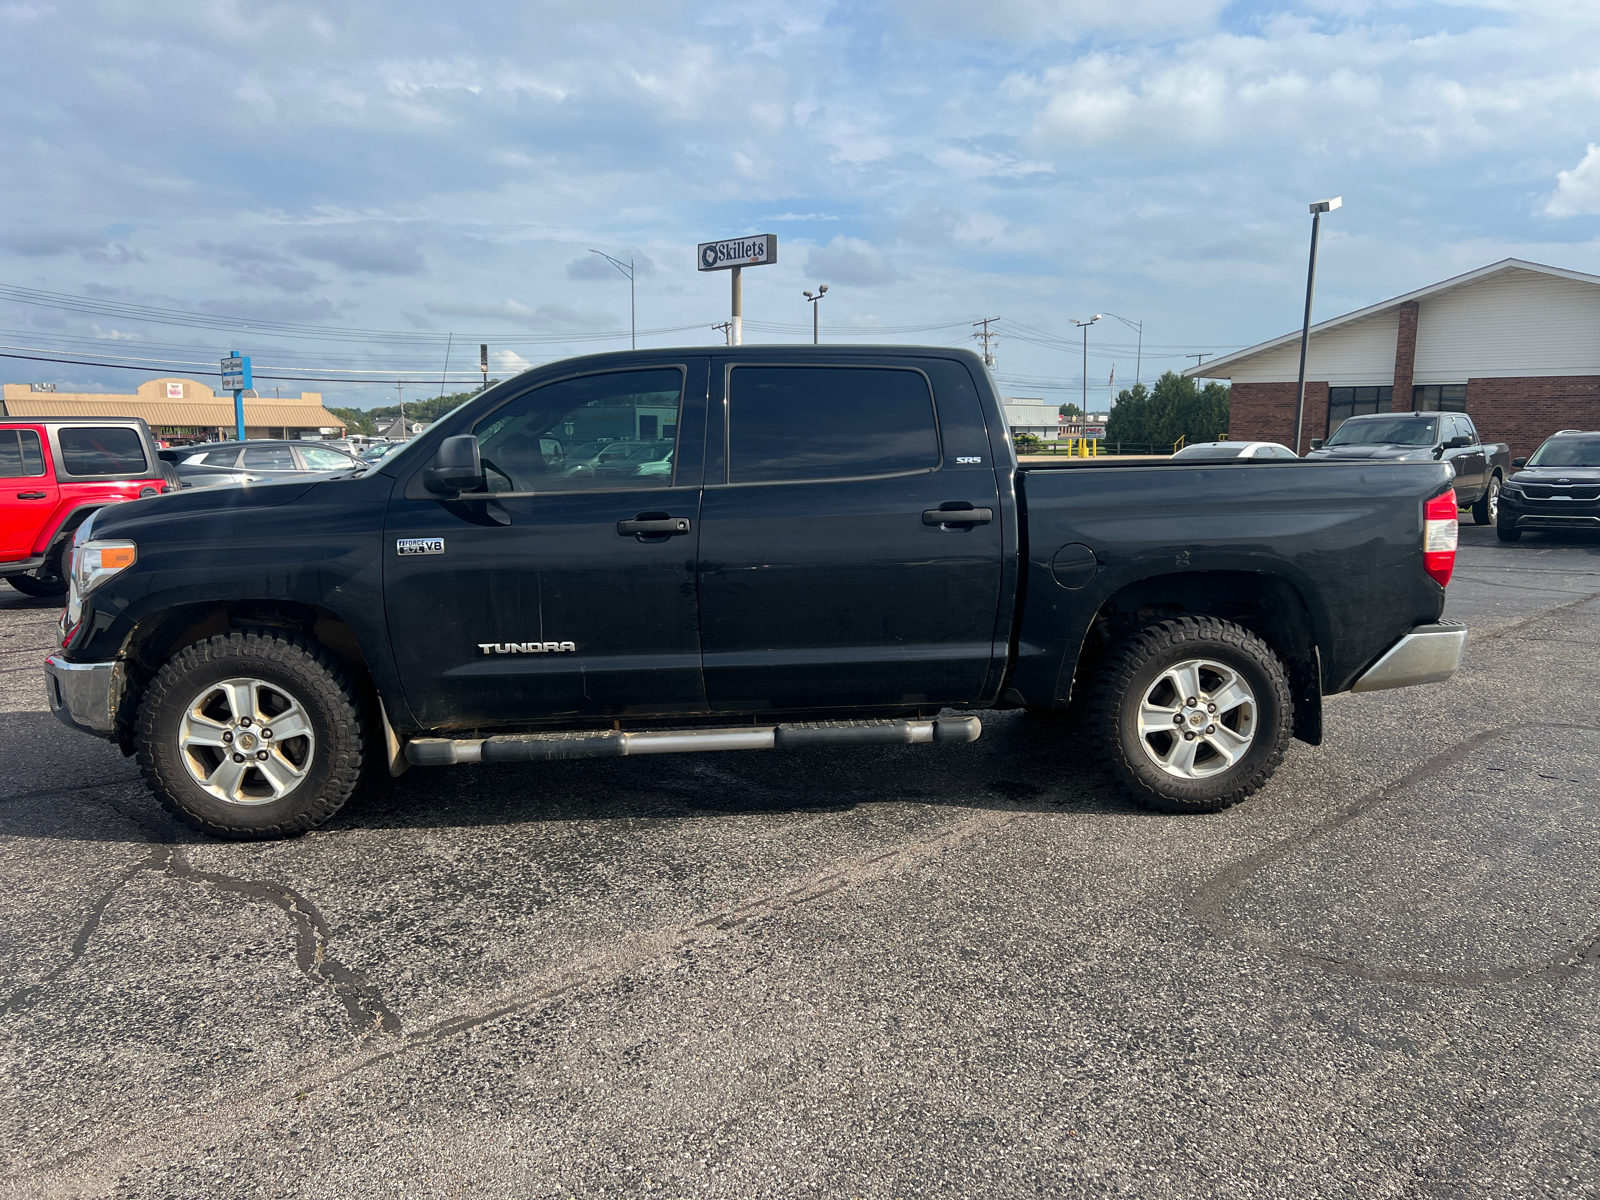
[1440, 533]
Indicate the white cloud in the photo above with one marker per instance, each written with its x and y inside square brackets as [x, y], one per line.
[1578, 190]
[852, 261]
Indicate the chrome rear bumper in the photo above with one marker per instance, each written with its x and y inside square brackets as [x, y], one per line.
[1428, 654]
[80, 694]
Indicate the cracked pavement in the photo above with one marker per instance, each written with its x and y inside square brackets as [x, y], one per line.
[875, 972]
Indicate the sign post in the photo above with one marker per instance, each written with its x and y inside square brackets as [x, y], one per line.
[734, 255]
[236, 375]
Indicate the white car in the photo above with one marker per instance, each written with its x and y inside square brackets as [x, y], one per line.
[1221, 451]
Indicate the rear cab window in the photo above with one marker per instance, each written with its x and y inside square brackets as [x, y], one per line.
[99, 451]
[21, 454]
[814, 423]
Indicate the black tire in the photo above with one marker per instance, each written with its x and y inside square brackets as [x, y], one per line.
[1487, 510]
[33, 585]
[1508, 533]
[330, 758]
[1134, 673]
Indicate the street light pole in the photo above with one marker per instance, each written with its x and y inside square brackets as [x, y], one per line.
[633, 325]
[1138, 357]
[1317, 209]
[815, 298]
[1084, 325]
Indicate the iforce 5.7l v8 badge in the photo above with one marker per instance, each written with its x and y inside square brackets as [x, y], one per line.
[419, 546]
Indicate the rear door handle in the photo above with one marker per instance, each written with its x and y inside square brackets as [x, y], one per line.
[957, 516]
[31, 495]
[643, 526]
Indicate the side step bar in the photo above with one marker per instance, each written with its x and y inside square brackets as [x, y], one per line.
[543, 747]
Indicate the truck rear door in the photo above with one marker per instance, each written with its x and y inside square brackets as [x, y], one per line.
[30, 492]
[571, 592]
[828, 577]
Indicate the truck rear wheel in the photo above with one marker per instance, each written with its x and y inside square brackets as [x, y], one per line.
[1192, 715]
[251, 735]
[33, 585]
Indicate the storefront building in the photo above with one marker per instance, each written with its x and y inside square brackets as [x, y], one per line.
[1516, 345]
[182, 409]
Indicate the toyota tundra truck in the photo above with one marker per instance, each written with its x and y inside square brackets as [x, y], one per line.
[837, 547]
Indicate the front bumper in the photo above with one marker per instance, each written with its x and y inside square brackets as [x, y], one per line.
[1428, 654]
[80, 694]
[21, 566]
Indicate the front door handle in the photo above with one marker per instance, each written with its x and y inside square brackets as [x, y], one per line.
[31, 495]
[652, 525]
[957, 516]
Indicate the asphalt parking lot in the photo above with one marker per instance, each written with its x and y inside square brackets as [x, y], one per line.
[921, 971]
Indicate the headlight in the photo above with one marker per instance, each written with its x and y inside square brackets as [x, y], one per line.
[97, 560]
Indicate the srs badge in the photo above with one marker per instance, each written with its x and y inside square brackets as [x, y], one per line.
[407, 546]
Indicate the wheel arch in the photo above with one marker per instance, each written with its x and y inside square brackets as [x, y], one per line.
[1267, 604]
[159, 636]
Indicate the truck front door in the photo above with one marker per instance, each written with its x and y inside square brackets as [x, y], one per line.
[824, 582]
[30, 496]
[568, 592]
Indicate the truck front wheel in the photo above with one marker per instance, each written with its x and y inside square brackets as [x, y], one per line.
[1487, 510]
[1192, 715]
[251, 735]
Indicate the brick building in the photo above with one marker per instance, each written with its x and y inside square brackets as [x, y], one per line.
[1515, 344]
[178, 407]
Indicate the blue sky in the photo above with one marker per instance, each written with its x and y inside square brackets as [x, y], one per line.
[442, 170]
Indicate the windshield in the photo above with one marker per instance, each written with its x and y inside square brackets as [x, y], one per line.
[1386, 431]
[1567, 452]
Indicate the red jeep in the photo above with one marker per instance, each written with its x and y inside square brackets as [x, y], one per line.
[54, 472]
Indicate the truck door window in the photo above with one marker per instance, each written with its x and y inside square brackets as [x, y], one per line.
[524, 444]
[789, 424]
[20, 454]
[95, 450]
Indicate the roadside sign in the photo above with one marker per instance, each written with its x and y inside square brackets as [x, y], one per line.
[236, 374]
[756, 251]
[1094, 431]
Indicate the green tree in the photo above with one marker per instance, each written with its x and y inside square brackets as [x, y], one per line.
[355, 421]
[1070, 410]
[429, 409]
[1175, 408]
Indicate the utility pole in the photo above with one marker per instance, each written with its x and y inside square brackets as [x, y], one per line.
[986, 338]
[483, 365]
[1084, 325]
[726, 328]
[1199, 358]
[400, 390]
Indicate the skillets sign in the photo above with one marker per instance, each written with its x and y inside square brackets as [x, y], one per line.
[755, 251]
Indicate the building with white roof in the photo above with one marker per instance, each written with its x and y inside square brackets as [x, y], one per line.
[1514, 344]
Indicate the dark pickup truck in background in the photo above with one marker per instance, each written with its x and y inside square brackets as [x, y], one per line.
[839, 549]
[1481, 468]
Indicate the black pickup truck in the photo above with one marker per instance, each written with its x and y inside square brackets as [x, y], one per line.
[837, 548]
[1480, 468]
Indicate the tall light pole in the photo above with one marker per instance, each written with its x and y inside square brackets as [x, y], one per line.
[626, 269]
[1317, 209]
[1138, 357]
[815, 298]
[1084, 325]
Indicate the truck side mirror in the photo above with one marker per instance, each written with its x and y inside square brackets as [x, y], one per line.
[1316, 443]
[1459, 440]
[1519, 463]
[457, 467]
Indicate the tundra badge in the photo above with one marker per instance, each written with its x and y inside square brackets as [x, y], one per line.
[526, 647]
[419, 546]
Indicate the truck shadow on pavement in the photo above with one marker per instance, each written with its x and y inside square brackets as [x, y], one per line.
[1022, 763]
